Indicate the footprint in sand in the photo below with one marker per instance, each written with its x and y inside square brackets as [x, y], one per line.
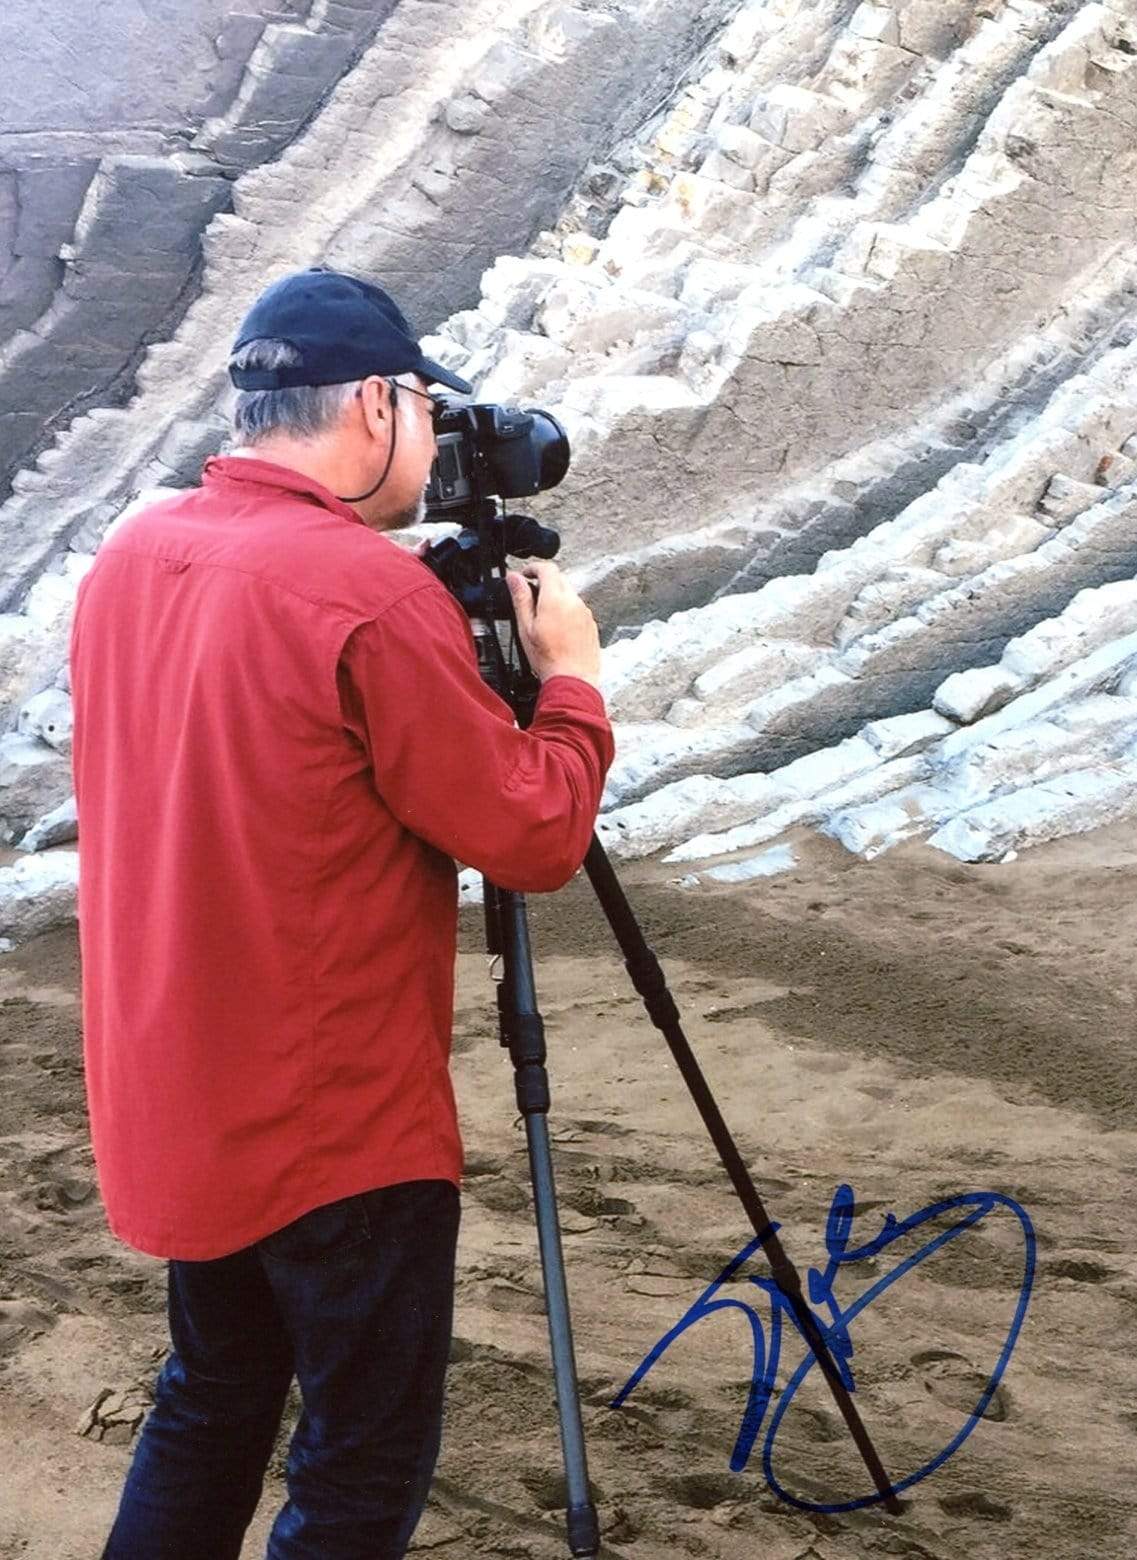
[601, 1128]
[500, 1194]
[548, 1489]
[591, 1201]
[63, 1194]
[953, 1380]
[703, 1491]
[1083, 1270]
[974, 1503]
[20, 1322]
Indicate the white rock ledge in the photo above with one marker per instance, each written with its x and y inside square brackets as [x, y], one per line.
[38, 893]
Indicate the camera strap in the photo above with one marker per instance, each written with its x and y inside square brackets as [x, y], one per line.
[390, 453]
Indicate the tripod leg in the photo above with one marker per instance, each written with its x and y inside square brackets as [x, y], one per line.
[644, 969]
[524, 1032]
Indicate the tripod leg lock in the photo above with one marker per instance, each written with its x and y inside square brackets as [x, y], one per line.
[527, 1039]
[532, 1085]
[527, 1050]
[647, 977]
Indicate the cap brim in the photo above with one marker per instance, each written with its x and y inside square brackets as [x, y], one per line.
[436, 374]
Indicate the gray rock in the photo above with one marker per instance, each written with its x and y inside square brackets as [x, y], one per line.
[466, 115]
[566, 82]
[34, 779]
[1066, 498]
[38, 893]
[77, 85]
[131, 256]
[968, 696]
[59, 827]
[48, 716]
[289, 72]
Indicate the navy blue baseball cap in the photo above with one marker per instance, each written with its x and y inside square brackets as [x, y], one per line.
[343, 328]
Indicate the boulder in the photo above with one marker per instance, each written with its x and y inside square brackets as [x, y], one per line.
[48, 716]
[37, 894]
[968, 696]
[58, 827]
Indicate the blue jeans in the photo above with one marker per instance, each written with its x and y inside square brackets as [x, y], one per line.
[356, 1300]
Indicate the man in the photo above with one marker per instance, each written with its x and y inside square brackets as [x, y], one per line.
[281, 743]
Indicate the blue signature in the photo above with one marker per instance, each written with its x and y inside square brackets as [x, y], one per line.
[835, 1329]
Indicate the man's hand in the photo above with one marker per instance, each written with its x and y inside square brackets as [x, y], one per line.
[557, 631]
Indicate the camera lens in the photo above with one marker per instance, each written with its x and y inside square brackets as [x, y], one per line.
[553, 446]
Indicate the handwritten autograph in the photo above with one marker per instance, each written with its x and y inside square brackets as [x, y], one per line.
[835, 1328]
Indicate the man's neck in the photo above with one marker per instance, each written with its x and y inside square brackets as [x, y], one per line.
[312, 461]
[307, 459]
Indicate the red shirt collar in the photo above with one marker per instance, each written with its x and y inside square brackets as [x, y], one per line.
[267, 474]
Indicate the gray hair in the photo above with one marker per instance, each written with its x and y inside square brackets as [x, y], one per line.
[301, 411]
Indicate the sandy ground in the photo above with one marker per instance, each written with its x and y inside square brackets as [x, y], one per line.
[911, 1027]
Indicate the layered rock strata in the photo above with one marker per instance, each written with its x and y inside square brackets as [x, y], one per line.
[112, 167]
[844, 335]
[418, 157]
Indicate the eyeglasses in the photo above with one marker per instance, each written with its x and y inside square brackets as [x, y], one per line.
[436, 402]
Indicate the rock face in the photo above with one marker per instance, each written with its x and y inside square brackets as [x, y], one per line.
[139, 120]
[837, 302]
[446, 130]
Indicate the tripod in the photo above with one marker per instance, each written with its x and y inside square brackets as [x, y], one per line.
[487, 602]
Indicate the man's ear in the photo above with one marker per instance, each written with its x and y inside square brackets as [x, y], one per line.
[379, 399]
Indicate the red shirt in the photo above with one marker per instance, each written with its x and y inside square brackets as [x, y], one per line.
[281, 742]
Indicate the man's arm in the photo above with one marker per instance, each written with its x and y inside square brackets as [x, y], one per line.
[449, 762]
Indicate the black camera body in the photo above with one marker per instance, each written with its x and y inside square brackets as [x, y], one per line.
[489, 451]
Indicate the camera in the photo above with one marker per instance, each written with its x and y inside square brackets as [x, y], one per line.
[490, 451]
